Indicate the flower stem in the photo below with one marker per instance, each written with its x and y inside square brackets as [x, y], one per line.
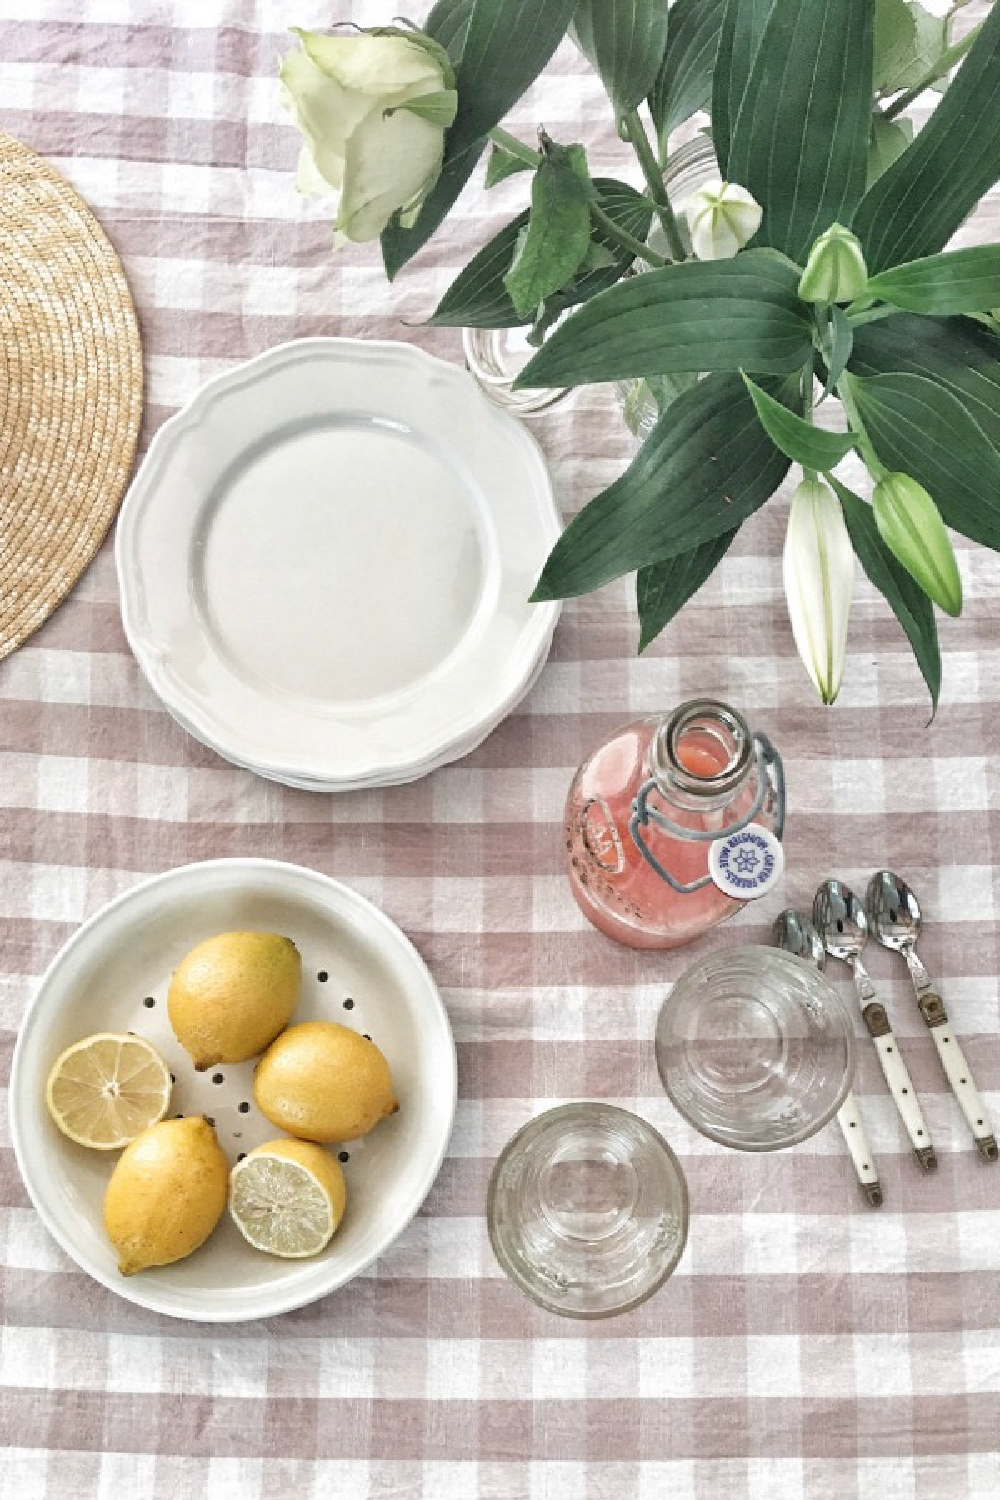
[871, 314]
[514, 147]
[653, 173]
[622, 238]
[946, 61]
[873, 463]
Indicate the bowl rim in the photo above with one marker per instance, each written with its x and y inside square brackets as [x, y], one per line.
[759, 953]
[272, 1300]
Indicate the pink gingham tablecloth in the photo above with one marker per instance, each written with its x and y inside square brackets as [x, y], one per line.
[806, 1346]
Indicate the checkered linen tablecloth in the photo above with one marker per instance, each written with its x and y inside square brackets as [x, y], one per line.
[806, 1346]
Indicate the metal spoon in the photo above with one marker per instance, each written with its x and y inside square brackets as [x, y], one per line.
[796, 934]
[840, 917]
[894, 916]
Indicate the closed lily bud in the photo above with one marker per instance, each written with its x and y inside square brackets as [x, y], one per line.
[835, 270]
[722, 216]
[818, 567]
[910, 524]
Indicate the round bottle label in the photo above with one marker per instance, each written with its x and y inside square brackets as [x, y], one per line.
[746, 864]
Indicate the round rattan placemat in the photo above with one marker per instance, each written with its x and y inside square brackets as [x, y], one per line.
[70, 389]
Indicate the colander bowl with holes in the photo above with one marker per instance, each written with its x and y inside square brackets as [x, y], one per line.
[358, 969]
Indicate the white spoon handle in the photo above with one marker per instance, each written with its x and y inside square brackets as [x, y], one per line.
[851, 1124]
[893, 1067]
[964, 1088]
[901, 1088]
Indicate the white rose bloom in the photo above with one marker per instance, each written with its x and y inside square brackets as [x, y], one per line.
[373, 111]
[722, 216]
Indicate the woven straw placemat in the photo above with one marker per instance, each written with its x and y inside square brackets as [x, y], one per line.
[70, 389]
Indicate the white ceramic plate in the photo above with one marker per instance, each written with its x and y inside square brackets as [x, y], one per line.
[325, 562]
[103, 980]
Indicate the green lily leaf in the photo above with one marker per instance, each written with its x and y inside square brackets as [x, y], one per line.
[705, 467]
[684, 82]
[812, 447]
[889, 139]
[956, 282]
[448, 23]
[903, 594]
[625, 42]
[837, 346]
[917, 427]
[558, 236]
[662, 589]
[477, 298]
[799, 140]
[740, 314]
[917, 204]
[507, 44]
[894, 43]
[956, 354]
[740, 38]
[502, 164]
[929, 44]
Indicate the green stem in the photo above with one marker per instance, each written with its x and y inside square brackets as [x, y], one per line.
[871, 314]
[622, 237]
[514, 147]
[651, 170]
[808, 376]
[874, 464]
[944, 64]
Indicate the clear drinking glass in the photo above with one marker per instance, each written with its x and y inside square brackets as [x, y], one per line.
[755, 1048]
[587, 1210]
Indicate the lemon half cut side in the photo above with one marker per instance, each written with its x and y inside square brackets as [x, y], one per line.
[287, 1198]
[107, 1089]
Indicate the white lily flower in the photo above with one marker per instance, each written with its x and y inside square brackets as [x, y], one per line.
[373, 110]
[818, 567]
[722, 216]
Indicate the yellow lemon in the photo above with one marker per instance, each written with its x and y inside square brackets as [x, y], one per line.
[230, 996]
[104, 1091]
[287, 1198]
[324, 1082]
[166, 1194]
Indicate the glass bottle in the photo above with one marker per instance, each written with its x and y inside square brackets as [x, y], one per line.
[673, 823]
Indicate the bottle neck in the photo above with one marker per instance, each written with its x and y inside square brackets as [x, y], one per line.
[703, 755]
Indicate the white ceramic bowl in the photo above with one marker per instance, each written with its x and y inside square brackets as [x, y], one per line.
[121, 960]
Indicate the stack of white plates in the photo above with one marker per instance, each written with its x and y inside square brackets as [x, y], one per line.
[325, 562]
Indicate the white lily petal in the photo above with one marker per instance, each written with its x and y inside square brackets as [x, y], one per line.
[377, 66]
[326, 114]
[722, 216]
[818, 569]
[390, 161]
[712, 236]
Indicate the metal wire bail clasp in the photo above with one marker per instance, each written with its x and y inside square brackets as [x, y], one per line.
[770, 778]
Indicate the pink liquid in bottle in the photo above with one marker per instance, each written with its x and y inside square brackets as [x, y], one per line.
[700, 771]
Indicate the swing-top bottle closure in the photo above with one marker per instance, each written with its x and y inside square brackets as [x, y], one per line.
[746, 860]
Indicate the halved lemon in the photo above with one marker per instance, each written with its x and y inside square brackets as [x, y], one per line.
[107, 1089]
[287, 1198]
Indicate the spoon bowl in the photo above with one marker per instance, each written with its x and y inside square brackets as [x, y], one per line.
[892, 911]
[840, 919]
[796, 934]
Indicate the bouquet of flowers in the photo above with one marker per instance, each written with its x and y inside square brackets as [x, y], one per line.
[814, 267]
